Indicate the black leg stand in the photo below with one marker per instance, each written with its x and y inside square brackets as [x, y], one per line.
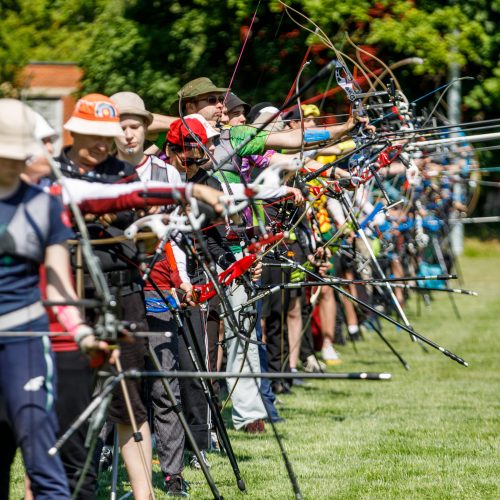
[197, 360]
[178, 410]
[199, 364]
[115, 463]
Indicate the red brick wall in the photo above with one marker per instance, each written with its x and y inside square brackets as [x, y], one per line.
[52, 75]
[55, 81]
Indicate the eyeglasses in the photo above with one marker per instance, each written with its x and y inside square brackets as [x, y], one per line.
[213, 99]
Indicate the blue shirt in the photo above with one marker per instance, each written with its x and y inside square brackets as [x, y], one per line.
[19, 276]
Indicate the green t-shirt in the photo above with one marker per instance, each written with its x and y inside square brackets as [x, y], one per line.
[240, 133]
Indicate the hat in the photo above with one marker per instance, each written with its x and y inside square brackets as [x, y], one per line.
[95, 114]
[210, 131]
[232, 100]
[194, 88]
[42, 128]
[130, 103]
[255, 110]
[307, 111]
[310, 110]
[179, 135]
[17, 131]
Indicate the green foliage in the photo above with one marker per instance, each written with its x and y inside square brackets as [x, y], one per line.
[44, 30]
[154, 47]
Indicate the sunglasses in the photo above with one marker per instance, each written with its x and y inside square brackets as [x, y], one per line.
[189, 162]
[185, 147]
[213, 99]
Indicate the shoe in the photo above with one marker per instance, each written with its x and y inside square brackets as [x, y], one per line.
[280, 388]
[299, 382]
[355, 337]
[106, 459]
[313, 365]
[330, 356]
[214, 443]
[255, 427]
[277, 420]
[354, 333]
[195, 464]
[175, 486]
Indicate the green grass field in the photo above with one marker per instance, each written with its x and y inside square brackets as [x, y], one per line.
[432, 432]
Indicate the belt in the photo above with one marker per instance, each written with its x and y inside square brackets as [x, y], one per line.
[120, 278]
[123, 277]
[21, 316]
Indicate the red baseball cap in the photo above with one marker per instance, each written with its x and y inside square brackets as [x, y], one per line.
[179, 135]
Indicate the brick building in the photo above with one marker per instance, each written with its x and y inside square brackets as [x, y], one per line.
[50, 89]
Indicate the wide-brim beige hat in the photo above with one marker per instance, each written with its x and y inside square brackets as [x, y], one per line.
[130, 103]
[17, 131]
[95, 114]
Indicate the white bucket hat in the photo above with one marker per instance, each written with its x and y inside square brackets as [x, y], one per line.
[95, 114]
[43, 130]
[130, 103]
[17, 131]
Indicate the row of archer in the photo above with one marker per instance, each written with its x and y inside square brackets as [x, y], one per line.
[220, 249]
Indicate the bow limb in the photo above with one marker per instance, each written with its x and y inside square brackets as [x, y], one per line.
[318, 32]
[359, 51]
[225, 278]
[301, 114]
[309, 204]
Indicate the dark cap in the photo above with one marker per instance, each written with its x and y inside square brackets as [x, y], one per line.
[293, 114]
[194, 88]
[255, 110]
[233, 100]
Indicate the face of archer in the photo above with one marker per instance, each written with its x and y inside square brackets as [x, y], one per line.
[237, 116]
[186, 159]
[90, 150]
[210, 106]
[134, 129]
[9, 171]
[309, 122]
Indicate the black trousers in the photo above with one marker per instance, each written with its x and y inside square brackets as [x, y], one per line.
[74, 390]
[193, 399]
[274, 312]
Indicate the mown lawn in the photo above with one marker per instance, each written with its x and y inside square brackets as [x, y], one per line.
[432, 432]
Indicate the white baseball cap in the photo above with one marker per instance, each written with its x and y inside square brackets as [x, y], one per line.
[211, 132]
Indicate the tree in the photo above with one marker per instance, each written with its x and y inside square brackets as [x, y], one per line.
[154, 47]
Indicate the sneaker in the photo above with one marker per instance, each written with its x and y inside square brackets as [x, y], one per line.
[175, 486]
[278, 420]
[330, 356]
[279, 387]
[354, 333]
[255, 427]
[195, 464]
[298, 382]
[313, 365]
[214, 443]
